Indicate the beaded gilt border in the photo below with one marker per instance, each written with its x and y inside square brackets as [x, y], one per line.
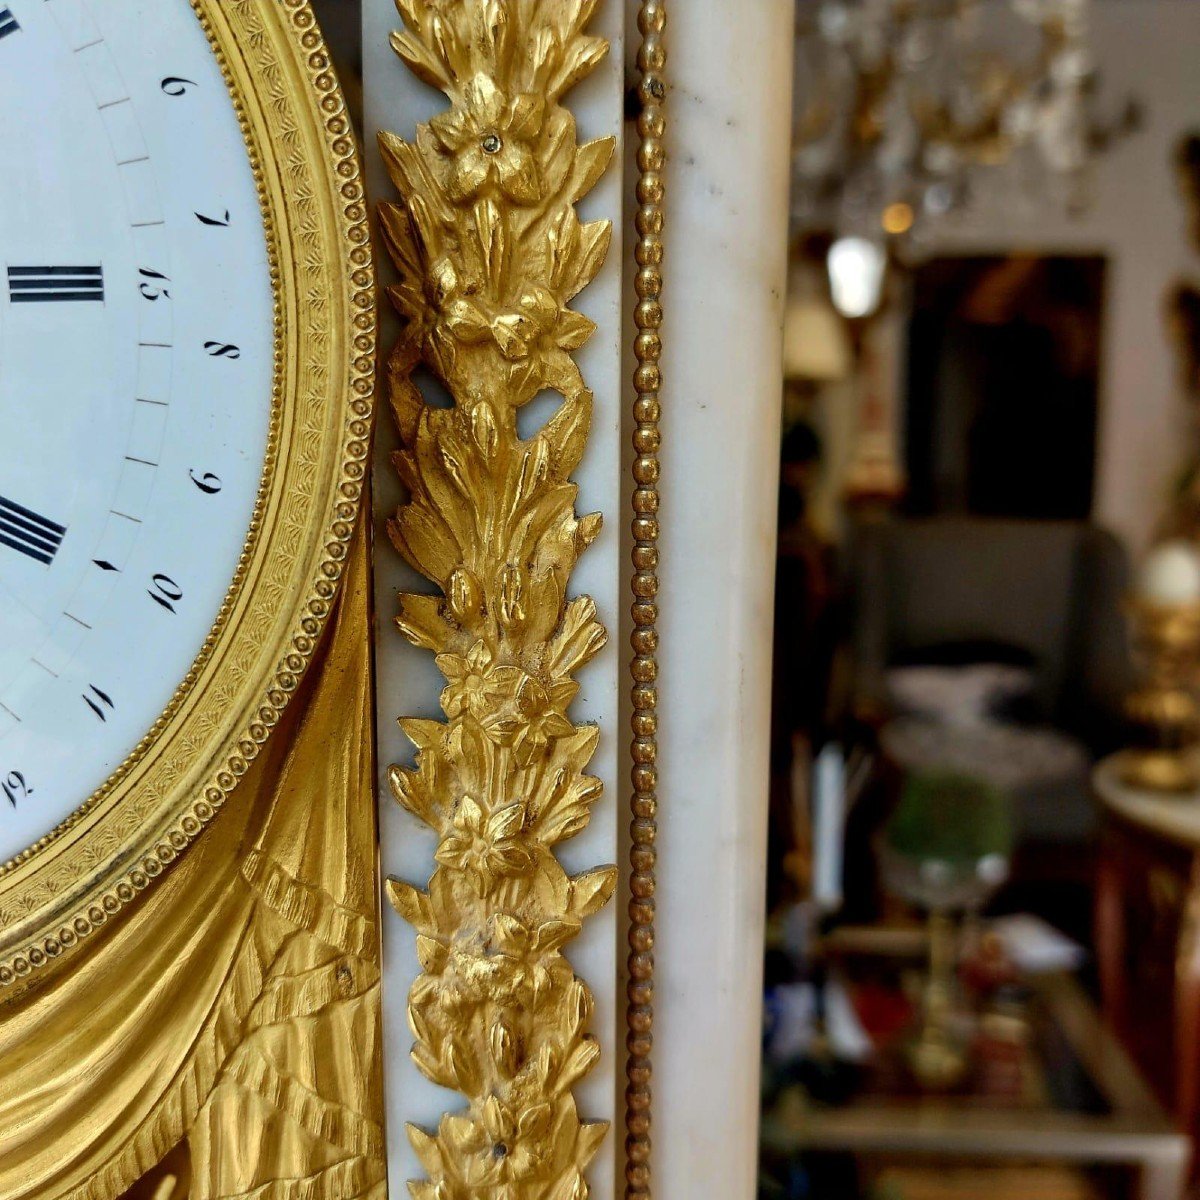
[647, 438]
[490, 251]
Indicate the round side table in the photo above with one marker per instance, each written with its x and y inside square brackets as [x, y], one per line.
[1148, 931]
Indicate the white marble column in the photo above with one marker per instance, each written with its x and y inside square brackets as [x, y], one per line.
[727, 182]
[408, 682]
[727, 179]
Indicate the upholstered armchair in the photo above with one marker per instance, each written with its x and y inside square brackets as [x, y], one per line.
[1042, 595]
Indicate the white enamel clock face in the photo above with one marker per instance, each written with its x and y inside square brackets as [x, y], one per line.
[136, 368]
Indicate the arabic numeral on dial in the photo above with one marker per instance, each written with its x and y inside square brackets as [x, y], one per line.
[15, 787]
[165, 591]
[175, 85]
[98, 701]
[207, 482]
[223, 349]
[151, 285]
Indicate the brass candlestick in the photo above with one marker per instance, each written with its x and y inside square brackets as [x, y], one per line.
[1164, 708]
[938, 1058]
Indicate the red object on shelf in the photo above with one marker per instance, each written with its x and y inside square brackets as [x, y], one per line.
[884, 1010]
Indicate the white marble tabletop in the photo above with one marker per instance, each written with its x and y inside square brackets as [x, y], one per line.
[1175, 816]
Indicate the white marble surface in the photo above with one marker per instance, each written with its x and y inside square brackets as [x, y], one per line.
[731, 73]
[408, 682]
[1172, 815]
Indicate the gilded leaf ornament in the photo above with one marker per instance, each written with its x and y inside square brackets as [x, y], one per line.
[490, 251]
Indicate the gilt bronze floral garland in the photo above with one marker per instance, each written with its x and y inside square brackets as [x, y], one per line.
[490, 251]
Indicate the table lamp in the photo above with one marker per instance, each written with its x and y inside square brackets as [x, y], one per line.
[1165, 614]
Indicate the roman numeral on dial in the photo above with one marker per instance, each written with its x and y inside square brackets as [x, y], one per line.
[28, 532]
[8, 23]
[31, 285]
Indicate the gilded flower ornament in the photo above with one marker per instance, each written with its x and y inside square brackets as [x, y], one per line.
[538, 338]
[517, 1139]
[486, 848]
[532, 965]
[490, 140]
[511, 1144]
[542, 717]
[474, 685]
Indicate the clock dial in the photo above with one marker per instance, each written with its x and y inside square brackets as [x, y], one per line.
[136, 378]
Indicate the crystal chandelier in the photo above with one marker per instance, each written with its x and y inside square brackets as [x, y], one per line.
[903, 107]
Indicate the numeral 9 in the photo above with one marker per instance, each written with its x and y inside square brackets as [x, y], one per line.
[208, 483]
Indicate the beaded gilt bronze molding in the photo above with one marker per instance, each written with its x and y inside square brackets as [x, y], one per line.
[490, 251]
[648, 316]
